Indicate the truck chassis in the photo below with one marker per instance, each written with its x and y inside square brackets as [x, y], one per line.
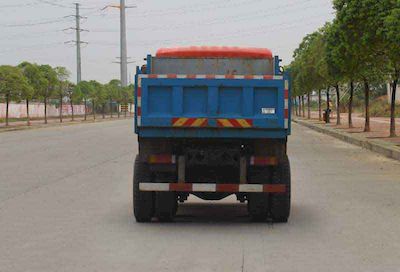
[166, 171]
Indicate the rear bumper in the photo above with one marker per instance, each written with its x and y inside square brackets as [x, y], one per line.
[146, 132]
[212, 188]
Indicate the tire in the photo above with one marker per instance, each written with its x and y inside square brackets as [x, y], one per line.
[143, 202]
[258, 203]
[280, 203]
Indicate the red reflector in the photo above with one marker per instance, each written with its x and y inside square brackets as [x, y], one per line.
[161, 159]
[263, 161]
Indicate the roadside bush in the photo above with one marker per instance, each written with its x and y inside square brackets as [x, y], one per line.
[381, 108]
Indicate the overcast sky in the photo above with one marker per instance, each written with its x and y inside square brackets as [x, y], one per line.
[32, 30]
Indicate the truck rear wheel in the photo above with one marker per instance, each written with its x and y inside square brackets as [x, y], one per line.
[143, 202]
[280, 203]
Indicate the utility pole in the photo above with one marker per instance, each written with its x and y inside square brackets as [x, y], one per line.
[124, 53]
[78, 45]
[77, 41]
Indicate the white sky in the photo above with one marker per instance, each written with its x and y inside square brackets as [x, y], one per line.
[32, 29]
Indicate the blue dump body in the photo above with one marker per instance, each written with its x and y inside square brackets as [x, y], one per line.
[212, 106]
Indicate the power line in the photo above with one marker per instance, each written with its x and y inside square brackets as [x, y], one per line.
[45, 22]
[36, 46]
[58, 5]
[228, 20]
[18, 5]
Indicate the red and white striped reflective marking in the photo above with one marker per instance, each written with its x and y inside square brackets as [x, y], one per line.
[263, 161]
[190, 76]
[162, 159]
[235, 123]
[139, 103]
[189, 122]
[212, 188]
[286, 104]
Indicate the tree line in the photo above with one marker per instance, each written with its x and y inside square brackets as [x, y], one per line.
[360, 47]
[29, 82]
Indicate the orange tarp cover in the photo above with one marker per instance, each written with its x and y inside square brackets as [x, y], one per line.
[214, 52]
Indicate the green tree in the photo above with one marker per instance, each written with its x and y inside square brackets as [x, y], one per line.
[309, 68]
[36, 82]
[126, 97]
[358, 35]
[62, 86]
[131, 97]
[389, 33]
[85, 89]
[12, 83]
[334, 68]
[341, 57]
[97, 96]
[49, 87]
[113, 94]
[74, 97]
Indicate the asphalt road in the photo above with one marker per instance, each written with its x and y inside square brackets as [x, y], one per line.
[65, 205]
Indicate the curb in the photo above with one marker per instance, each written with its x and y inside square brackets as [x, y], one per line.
[377, 146]
[52, 125]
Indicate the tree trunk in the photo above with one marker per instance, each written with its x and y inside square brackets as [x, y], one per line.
[303, 106]
[299, 106]
[61, 109]
[72, 110]
[351, 104]
[308, 106]
[45, 110]
[111, 109]
[119, 114]
[367, 127]
[7, 105]
[338, 122]
[104, 111]
[28, 120]
[125, 110]
[319, 105]
[393, 110]
[85, 109]
[130, 109]
[328, 109]
[94, 110]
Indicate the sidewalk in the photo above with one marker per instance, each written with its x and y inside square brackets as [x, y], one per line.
[55, 121]
[377, 140]
[379, 126]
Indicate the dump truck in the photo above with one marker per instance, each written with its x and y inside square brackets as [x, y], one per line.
[212, 122]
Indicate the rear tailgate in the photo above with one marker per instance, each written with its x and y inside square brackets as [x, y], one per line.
[212, 102]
